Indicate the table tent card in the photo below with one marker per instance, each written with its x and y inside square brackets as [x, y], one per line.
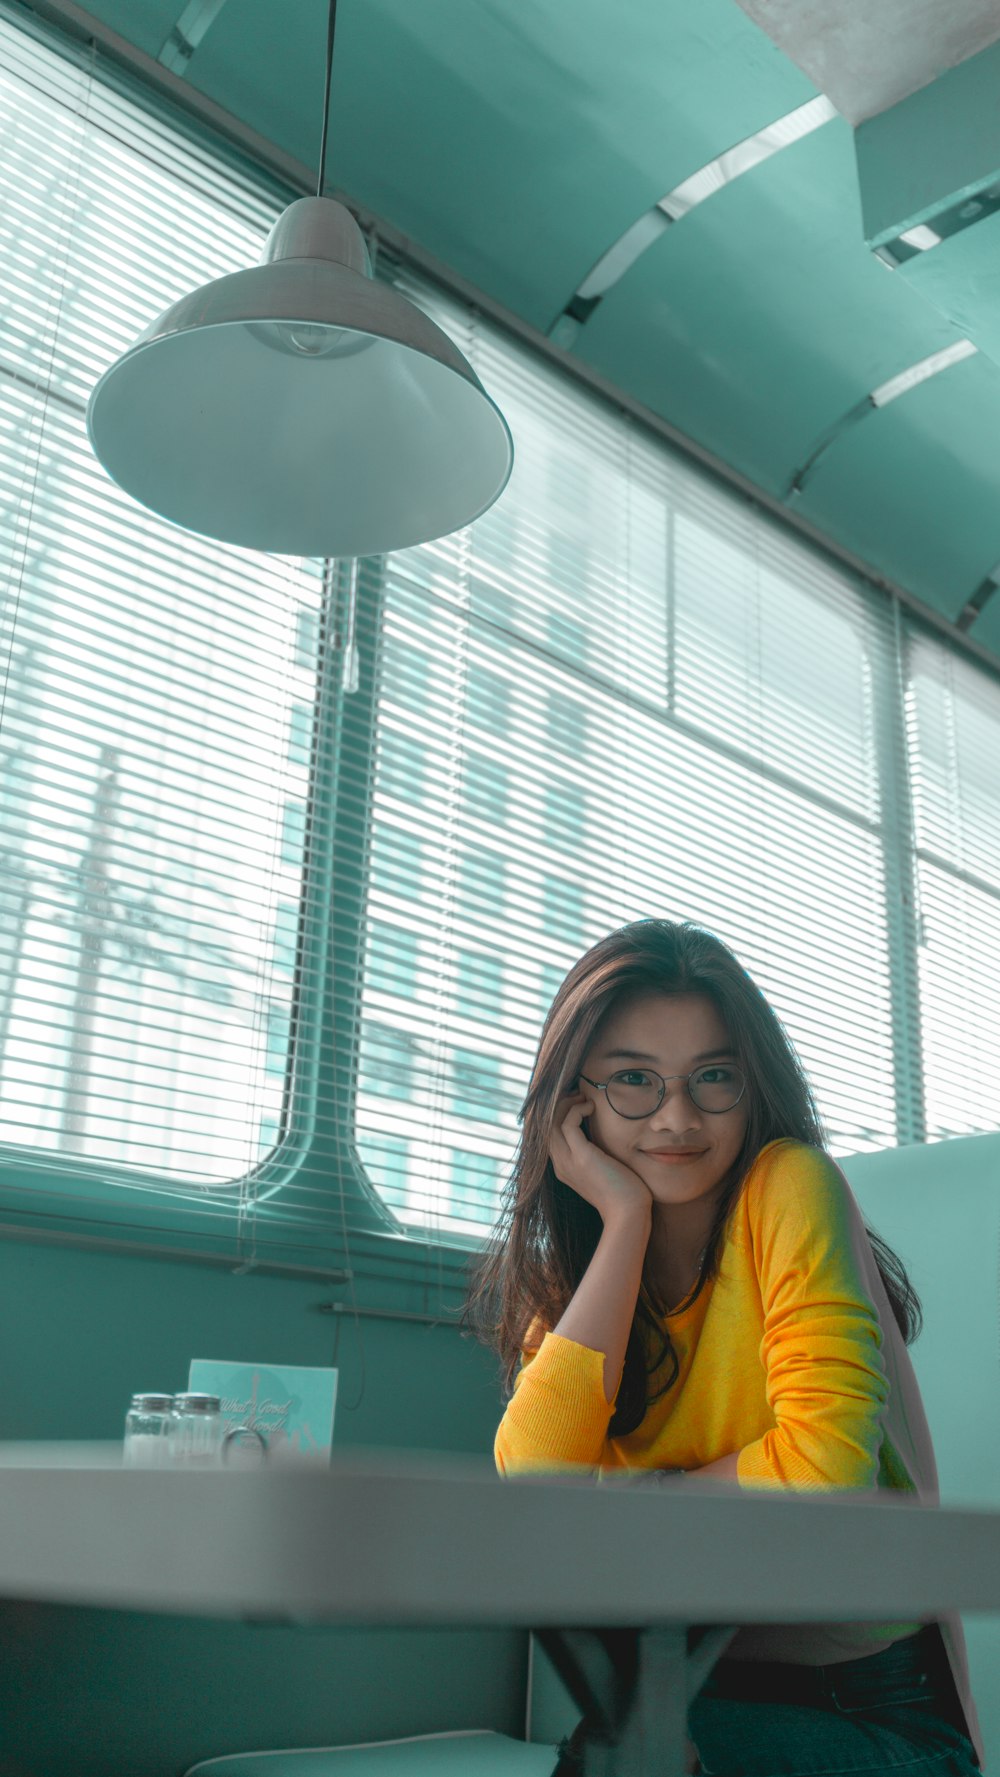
[291, 1406]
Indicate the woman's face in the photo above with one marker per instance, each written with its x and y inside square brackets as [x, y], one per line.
[672, 1034]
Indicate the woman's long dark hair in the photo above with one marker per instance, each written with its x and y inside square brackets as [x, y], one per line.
[547, 1233]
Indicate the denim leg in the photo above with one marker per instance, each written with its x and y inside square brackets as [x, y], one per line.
[736, 1739]
[895, 1711]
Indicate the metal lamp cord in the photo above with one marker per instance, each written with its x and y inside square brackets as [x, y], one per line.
[326, 96]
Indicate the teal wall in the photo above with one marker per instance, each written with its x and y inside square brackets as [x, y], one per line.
[89, 1693]
[98, 1693]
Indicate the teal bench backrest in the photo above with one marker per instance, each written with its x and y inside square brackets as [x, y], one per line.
[938, 1207]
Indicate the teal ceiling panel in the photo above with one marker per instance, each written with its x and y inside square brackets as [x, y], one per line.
[761, 318]
[146, 24]
[986, 628]
[961, 278]
[913, 489]
[930, 150]
[515, 143]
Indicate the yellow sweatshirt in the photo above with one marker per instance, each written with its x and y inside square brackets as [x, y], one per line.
[792, 1357]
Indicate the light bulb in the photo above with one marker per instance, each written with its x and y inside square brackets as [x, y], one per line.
[309, 339]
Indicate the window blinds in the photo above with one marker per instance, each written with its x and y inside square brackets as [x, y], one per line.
[954, 716]
[294, 859]
[622, 693]
[160, 693]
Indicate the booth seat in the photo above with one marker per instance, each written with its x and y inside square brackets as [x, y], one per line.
[473, 1753]
[938, 1207]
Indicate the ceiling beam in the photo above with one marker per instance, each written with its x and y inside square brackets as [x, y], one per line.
[186, 34]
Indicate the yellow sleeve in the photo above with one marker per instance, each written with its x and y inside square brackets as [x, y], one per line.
[826, 1382]
[557, 1417]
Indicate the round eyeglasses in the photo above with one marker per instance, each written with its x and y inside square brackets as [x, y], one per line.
[638, 1091]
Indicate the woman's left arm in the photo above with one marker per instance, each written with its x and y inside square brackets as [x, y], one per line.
[825, 1377]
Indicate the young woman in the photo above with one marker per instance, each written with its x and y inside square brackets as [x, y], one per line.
[672, 1200]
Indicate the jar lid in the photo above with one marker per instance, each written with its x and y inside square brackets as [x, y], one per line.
[153, 1403]
[197, 1403]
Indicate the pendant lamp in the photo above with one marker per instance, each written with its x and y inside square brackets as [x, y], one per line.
[300, 407]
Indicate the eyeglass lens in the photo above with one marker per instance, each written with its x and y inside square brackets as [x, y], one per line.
[635, 1092]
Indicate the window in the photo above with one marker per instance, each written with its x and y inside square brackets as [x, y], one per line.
[402, 766]
[479, 984]
[732, 697]
[392, 960]
[293, 832]
[493, 602]
[390, 1169]
[406, 673]
[398, 862]
[387, 1062]
[474, 1186]
[566, 637]
[564, 815]
[954, 747]
[552, 977]
[476, 1090]
[299, 733]
[306, 638]
[566, 723]
[486, 788]
[286, 925]
[159, 693]
[562, 908]
[268, 1130]
[489, 698]
[482, 879]
[772, 748]
[278, 1034]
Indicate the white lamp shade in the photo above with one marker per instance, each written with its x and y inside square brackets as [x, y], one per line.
[214, 419]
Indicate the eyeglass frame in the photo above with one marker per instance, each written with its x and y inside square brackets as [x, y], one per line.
[602, 1086]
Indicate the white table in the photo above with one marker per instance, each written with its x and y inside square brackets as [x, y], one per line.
[397, 1537]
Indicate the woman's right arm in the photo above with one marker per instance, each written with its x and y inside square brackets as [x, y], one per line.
[601, 1312]
[559, 1412]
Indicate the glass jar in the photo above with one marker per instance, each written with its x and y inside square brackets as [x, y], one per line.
[148, 1428]
[196, 1433]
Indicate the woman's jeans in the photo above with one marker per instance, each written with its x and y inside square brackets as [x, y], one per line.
[897, 1711]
